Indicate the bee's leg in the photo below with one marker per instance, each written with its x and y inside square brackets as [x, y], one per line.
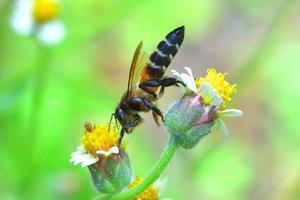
[164, 82]
[169, 81]
[161, 91]
[128, 125]
[150, 83]
[154, 109]
[121, 136]
[155, 117]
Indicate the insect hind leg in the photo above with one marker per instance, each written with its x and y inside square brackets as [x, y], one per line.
[154, 109]
[164, 82]
[150, 83]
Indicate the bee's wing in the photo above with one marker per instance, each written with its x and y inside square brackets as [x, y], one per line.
[139, 62]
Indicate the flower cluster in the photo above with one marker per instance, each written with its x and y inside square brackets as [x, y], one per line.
[38, 18]
[188, 120]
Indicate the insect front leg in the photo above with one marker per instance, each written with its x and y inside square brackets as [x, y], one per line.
[128, 125]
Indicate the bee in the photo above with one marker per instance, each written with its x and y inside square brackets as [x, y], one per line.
[145, 77]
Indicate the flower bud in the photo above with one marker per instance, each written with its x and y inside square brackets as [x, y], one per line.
[111, 174]
[188, 120]
[191, 117]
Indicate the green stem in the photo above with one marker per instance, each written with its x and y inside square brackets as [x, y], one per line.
[154, 174]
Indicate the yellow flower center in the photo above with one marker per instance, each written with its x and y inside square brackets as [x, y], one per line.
[99, 138]
[218, 82]
[44, 10]
[149, 194]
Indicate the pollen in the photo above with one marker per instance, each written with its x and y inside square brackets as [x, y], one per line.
[219, 83]
[44, 10]
[149, 194]
[99, 137]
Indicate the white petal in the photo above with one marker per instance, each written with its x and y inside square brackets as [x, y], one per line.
[222, 126]
[21, 19]
[81, 148]
[160, 185]
[175, 73]
[51, 33]
[81, 156]
[208, 92]
[187, 79]
[189, 82]
[204, 89]
[110, 151]
[189, 71]
[230, 113]
[114, 150]
[88, 160]
[217, 100]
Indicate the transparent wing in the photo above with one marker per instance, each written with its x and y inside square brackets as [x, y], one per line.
[139, 62]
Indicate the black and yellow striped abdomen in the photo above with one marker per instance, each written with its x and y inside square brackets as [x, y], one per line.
[162, 57]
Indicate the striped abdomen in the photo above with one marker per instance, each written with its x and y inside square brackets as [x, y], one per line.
[162, 57]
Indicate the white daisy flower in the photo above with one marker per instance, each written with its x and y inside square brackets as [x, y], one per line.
[98, 142]
[38, 18]
[206, 91]
[213, 90]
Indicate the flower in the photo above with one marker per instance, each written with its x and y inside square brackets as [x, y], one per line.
[153, 192]
[38, 18]
[97, 142]
[191, 117]
[107, 161]
[213, 88]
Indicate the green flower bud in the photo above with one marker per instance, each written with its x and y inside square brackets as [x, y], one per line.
[111, 174]
[188, 120]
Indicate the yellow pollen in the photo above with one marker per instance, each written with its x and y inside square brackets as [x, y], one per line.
[98, 137]
[149, 194]
[219, 83]
[44, 10]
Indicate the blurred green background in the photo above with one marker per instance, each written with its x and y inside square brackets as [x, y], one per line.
[46, 95]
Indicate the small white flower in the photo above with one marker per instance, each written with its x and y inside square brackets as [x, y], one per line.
[206, 91]
[83, 157]
[22, 21]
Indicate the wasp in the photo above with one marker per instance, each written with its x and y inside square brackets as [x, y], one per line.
[145, 77]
